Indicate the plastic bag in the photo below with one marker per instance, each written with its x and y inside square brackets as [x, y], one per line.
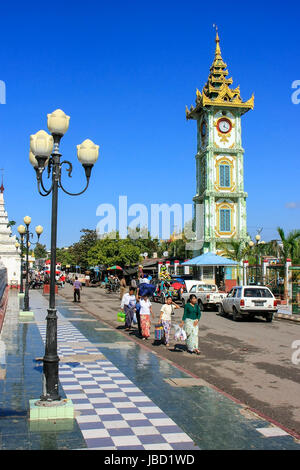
[134, 319]
[121, 317]
[180, 334]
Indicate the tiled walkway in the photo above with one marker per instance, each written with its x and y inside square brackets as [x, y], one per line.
[120, 391]
[114, 413]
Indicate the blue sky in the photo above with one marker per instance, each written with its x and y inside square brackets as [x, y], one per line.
[124, 72]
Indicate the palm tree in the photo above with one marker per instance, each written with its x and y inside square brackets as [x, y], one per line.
[289, 243]
[11, 223]
[234, 250]
[272, 248]
[289, 250]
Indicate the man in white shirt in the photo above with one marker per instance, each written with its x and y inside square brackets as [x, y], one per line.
[128, 305]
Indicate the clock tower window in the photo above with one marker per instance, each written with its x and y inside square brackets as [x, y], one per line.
[225, 220]
[224, 176]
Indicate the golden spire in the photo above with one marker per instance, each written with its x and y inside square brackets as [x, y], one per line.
[217, 91]
[218, 61]
[218, 49]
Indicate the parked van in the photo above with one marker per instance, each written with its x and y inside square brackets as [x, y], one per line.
[251, 301]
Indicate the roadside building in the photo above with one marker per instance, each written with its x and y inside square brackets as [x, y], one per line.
[9, 255]
[213, 269]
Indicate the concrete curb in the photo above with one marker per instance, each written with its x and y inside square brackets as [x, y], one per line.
[286, 316]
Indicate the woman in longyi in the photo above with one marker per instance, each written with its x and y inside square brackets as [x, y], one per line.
[190, 321]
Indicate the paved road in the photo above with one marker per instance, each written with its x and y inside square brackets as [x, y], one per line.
[250, 360]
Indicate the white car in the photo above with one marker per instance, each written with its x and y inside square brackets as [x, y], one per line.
[208, 296]
[190, 283]
[251, 301]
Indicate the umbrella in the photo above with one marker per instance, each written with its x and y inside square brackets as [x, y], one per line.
[177, 285]
[113, 268]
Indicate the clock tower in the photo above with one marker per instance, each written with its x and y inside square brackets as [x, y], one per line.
[220, 201]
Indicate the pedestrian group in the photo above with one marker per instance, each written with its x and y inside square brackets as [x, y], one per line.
[138, 310]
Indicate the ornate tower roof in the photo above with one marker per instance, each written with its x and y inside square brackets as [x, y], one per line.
[217, 91]
[7, 240]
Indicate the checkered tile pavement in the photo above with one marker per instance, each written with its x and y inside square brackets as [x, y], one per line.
[66, 332]
[112, 413]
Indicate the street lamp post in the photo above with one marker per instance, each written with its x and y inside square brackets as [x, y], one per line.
[17, 245]
[21, 230]
[44, 152]
[256, 244]
[257, 240]
[28, 236]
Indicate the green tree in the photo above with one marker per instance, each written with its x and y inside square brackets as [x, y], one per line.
[80, 249]
[11, 223]
[40, 251]
[297, 253]
[290, 244]
[65, 256]
[142, 238]
[109, 252]
[177, 248]
[235, 250]
[273, 249]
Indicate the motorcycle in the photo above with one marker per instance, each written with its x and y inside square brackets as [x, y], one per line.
[112, 287]
[35, 284]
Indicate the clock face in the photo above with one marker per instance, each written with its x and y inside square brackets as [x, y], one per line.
[224, 125]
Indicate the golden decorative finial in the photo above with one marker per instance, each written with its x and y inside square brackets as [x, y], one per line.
[218, 49]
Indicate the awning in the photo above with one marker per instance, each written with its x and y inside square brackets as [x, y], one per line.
[130, 271]
[210, 259]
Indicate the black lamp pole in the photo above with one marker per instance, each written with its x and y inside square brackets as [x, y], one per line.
[28, 235]
[51, 359]
[22, 252]
[256, 271]
[26, 296]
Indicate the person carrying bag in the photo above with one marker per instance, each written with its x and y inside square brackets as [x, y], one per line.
[190, 321]
[165, 318]
[128, 305]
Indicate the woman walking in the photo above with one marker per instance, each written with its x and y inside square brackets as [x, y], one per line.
[137, 312]
[145, 311]
[165, 317]
[190, 321]
[128, 305]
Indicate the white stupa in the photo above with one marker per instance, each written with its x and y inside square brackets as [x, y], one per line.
[9, 255]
